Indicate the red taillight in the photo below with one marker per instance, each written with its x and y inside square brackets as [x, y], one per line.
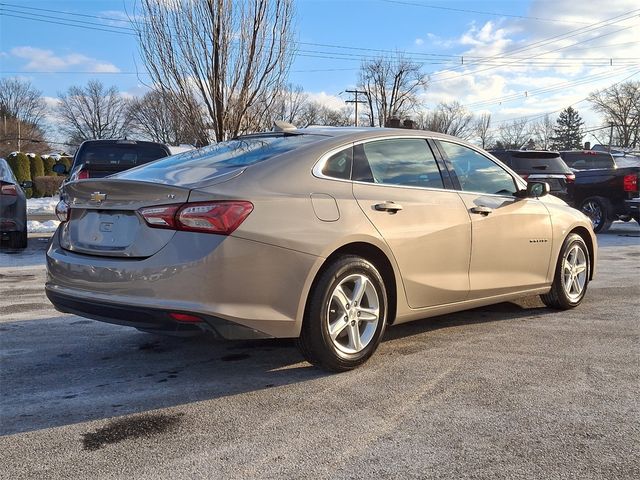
[570, 177]
[185, 317]
[9, 190]
[221, 217]
[630, 183]
[62, 211]
[82, 174]
[524, 176]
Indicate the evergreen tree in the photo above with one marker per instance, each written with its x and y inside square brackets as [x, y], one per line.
[567, 134]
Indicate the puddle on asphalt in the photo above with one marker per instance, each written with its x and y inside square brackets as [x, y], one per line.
[122, 429]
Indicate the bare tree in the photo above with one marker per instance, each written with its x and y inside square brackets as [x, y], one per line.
[450, 118]
[21, 100]
[543, 133]
[315, 113]
[227, 54]
[514, 134]
[482, 130]
[392, 87]
[154, 116]
[620, 105]
[92, 112]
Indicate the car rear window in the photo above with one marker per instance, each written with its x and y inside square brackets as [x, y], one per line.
[197, 166]
[6, 174]
[118, 156]
[588, 160]
[536, 162]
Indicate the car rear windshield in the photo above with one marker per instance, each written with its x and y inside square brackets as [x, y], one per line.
[199, 166]
[118, 156]
[588, 160]
[6, 174]
[535, 162]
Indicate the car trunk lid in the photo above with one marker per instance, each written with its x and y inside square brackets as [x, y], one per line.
[104, 217]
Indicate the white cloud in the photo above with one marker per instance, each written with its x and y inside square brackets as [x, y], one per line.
[419, 41]
[567, 68]
[39, 59]
[323, 98]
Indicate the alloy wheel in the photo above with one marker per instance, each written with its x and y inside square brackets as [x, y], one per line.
[353, 313]
[574, 272]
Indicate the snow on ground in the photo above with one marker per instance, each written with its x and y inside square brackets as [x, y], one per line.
[42, 205]
[49, 226]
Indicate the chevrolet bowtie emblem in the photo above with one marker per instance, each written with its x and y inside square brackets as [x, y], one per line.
[98, 197]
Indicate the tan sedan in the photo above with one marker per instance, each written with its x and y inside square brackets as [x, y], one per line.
[328, 235]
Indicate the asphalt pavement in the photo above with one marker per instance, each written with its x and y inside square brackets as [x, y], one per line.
[513, 390]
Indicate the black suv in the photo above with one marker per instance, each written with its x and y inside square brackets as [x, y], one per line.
[539, 166]
[99, 158]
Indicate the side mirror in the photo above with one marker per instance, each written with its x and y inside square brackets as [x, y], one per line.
[26, 184]
[534, 190]
[59, 168]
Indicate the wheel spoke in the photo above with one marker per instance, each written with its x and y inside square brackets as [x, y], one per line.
[568, 279]
[576, 286]
[581, 267]
[354, 336]
[359, 289]
[341, 298]
[337, 327]
[368, 314]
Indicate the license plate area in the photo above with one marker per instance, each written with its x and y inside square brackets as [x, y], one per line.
[108, 230]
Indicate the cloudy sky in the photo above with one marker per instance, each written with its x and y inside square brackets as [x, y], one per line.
[513, 58]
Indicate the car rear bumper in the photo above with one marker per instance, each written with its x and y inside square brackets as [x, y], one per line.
[632, 207]
[258, 287]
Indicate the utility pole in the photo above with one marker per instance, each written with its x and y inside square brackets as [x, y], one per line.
[19, 140]
[356, 101]
[610, 136]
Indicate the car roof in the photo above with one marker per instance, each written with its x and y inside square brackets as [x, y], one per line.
[359, 133]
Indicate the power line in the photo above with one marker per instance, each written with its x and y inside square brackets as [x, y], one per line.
[494, 14]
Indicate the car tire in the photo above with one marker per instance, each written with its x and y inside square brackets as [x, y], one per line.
[18, 239]
[335, 334]
[571, 276]
[598, 209]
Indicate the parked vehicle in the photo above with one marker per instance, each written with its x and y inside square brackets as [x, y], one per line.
[602, 190]
[13, 208]
[324, 234]
[587, 159]
[539, 166]
[99, 158]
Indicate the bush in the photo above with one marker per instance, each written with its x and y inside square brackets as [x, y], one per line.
[47, 185]
[37, 170]
[67, 161]
[21, 167]
[48, 163]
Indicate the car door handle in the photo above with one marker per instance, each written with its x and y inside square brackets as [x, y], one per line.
[391, 207]
[482, 210]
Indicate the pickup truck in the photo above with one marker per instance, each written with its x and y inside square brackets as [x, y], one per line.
[601, 189]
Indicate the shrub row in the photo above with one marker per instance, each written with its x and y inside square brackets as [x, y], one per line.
[47, 186]
[31, 167]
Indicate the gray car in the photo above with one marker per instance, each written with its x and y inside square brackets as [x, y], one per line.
[328, 235]
[13, 208]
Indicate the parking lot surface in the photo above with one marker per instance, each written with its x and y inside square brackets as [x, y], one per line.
[513, 390]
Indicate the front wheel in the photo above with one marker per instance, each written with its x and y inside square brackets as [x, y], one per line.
[345, 316]
[571, 275]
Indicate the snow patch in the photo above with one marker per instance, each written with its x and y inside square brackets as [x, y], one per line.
[49, 226]
[42, 205]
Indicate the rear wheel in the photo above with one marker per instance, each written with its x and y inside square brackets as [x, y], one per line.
[18, 239]
[345, 316]
[571, 275]
[598, 209]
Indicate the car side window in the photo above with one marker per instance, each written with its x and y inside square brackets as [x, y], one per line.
[338, 165]
[477, 173]
[402, 161]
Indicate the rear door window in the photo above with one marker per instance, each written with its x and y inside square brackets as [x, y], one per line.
[403, 161]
